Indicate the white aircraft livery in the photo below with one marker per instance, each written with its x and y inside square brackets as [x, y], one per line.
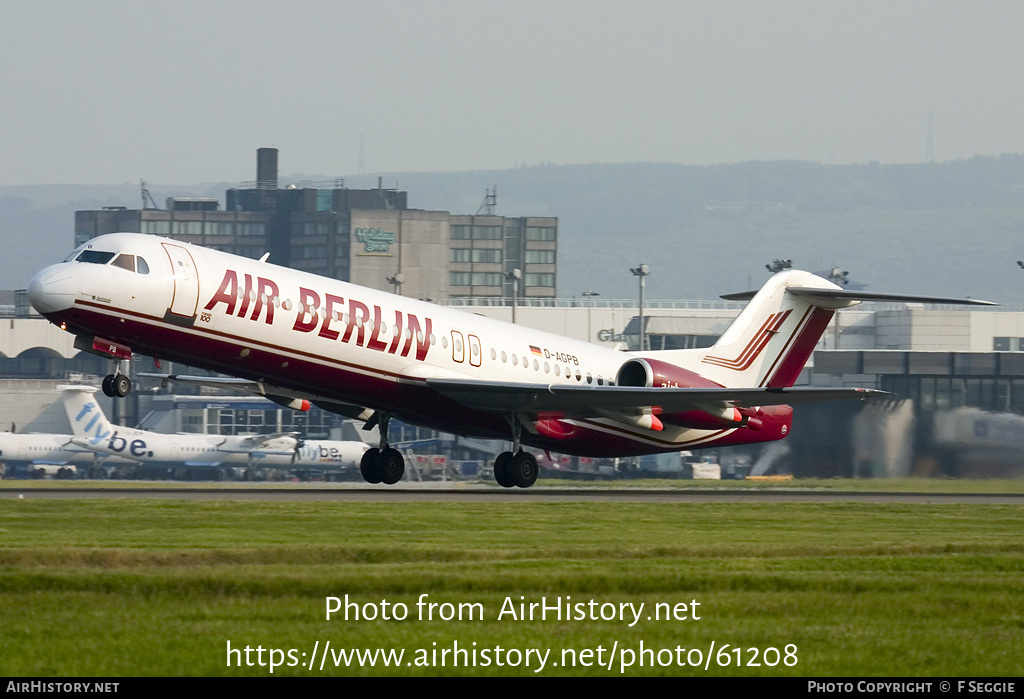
[43, 450]
[362, 352]
[93, 431]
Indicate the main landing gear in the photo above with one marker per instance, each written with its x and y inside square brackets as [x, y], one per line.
[384, 464]
[116, 385]
[516, 468]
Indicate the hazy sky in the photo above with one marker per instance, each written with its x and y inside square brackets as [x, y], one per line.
[179, 92]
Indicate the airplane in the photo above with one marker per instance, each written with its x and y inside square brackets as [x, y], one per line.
[51, 453]
[94, 432]
[360, 352]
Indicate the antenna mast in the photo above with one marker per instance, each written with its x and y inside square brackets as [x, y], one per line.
[146, 196]
[489, 203]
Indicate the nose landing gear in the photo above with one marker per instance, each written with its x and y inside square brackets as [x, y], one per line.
[116, 385]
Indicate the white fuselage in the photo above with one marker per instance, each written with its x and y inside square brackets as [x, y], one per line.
[322, 339]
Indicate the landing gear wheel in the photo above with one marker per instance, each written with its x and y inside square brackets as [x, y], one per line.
[523, 467]
[368, 466]
[390, 466]
[108, 385]
[121, 385]
[503, 470]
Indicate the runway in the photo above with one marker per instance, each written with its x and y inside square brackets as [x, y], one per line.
[476, 493]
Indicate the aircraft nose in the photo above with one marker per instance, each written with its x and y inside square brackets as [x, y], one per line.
[52, 289]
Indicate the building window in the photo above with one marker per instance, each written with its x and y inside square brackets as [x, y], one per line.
[486, 232]
[250, 229]
[540, 257]
[486, 279]
[460, 255]
[540, 233]
[459, 278]
[487, 256]
[162, 228]
[1006, 344]
[459, 233]
[188, 228]
[540, 280]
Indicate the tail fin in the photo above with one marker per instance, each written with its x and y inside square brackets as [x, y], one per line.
[772, 338]
[88, 423]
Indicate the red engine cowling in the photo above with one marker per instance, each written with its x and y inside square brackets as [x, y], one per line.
[657, 374]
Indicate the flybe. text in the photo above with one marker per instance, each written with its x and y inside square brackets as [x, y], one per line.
[344, 320]
[98, 429]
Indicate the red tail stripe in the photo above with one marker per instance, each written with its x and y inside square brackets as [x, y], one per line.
[756, 345]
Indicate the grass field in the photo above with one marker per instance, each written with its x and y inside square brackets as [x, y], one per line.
[136, 587]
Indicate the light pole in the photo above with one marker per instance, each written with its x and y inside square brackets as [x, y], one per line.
[514, 276]
[589, 295]
[641, 271]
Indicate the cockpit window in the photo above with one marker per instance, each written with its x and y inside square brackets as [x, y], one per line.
[142, 267]
[96, 257]
[125, 262]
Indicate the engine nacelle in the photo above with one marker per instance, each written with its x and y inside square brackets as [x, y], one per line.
[658, 374]
[654, 373]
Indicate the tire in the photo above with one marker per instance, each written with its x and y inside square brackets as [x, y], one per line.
[524, 469]
[391, 466]
[121, 385]
[108, 385]
[368, 466]
[503, 470]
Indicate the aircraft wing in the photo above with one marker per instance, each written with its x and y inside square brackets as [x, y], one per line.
[272, 393]
[87, 445]
[258, 443]
[243, 385]
[594, 401]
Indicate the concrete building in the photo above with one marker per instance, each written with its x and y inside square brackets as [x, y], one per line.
[366, 236]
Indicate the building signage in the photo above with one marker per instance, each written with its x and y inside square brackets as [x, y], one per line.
[609, 335]
[376, 240]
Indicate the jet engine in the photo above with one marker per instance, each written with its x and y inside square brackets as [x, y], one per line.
[653, 373]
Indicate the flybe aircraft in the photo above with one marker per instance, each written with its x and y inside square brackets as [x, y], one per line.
[362, 352]
[94, 432]
[44, 450]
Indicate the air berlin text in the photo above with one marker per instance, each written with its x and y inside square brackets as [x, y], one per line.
[345, 321]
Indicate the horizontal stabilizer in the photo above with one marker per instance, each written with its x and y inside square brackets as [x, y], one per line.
[841, 298]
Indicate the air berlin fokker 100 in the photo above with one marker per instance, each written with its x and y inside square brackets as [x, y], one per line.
[297, 337]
